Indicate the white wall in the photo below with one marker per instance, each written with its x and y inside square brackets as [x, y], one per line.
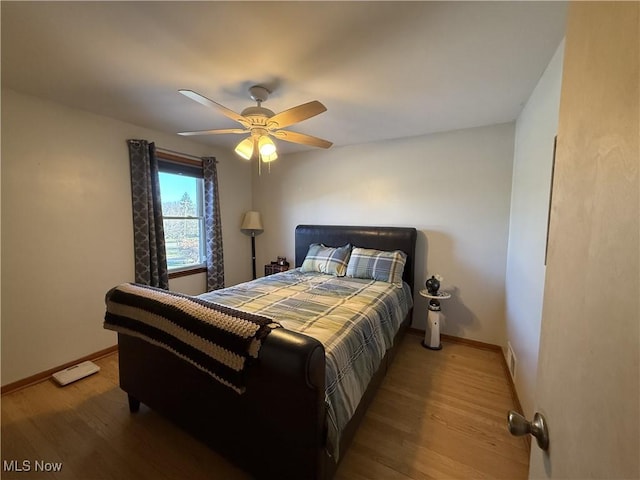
[67, 228]
[536, 128]
[454, 187]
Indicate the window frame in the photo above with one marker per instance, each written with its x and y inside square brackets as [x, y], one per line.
[179, 165]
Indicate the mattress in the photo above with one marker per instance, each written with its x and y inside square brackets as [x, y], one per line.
[355, 320]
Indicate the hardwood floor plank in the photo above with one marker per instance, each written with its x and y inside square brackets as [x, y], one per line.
[443, 415]
[366, 465]
[438, 414]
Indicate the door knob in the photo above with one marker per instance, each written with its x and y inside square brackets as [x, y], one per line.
[518, 426]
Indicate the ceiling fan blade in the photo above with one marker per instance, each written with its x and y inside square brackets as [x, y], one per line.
[214, 132]
[296, 114]
[302, 138]
[221, 108]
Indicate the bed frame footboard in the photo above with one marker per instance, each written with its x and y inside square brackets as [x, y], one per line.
[282, 411]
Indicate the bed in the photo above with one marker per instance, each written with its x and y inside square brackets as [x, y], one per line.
[284, 421]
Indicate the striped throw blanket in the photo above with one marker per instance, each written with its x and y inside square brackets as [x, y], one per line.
[219, 340]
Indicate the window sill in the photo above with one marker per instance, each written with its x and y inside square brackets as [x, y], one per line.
[187, 271]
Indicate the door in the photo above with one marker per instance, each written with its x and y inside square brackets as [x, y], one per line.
[588, 370]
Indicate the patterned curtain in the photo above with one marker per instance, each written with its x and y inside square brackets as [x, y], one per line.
[213, 225]
[148, 229]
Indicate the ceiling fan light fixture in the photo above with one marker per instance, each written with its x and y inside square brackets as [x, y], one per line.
[266, 146]
[268, 158]
[260, 123]
[245, 148]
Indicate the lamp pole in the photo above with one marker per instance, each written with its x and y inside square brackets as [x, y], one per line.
[253, 253]
[252, 225]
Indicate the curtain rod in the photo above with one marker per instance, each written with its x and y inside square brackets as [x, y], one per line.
[166, 150]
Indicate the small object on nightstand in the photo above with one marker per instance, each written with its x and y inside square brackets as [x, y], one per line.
[280, 265]
[432, 334]
[433, 285]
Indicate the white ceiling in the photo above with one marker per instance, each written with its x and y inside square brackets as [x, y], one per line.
[383, 69]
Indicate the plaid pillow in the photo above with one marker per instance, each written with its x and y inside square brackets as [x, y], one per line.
[329, 260]
[377, 265]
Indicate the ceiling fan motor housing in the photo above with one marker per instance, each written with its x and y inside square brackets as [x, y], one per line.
[257, 114]
[259, 93]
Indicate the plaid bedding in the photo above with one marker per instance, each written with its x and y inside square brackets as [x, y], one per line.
[355, 320]
[377, 265]
[329, 260]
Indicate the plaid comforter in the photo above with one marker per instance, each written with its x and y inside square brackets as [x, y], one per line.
[354, 319]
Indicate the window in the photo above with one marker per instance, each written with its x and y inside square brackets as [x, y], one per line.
[182, 196]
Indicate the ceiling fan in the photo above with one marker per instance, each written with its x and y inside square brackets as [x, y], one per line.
[261, 123]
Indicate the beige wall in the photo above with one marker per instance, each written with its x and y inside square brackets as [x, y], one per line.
[536, 128]
[67, 235]
[454, 187]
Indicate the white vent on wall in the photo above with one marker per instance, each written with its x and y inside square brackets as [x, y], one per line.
[511, 361]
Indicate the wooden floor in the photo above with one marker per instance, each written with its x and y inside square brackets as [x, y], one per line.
[438, 414]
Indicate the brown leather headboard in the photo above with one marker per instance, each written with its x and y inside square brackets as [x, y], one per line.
[380, 238]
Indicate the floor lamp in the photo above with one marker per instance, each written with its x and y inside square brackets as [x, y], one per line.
[252, 225]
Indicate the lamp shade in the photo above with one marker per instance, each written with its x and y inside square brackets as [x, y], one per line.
[266, 146]
[252, 223]
[245, 148]
[268, 158]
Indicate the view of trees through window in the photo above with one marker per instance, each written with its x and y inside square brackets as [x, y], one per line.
[183, 219]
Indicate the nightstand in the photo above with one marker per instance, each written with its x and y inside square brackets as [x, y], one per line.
[275, 268]
[432, 334]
